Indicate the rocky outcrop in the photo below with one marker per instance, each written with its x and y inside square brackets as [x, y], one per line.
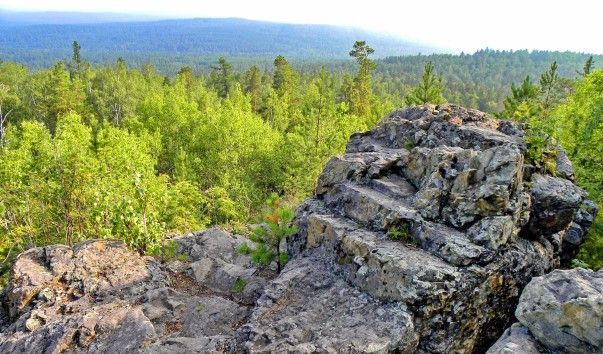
[559, 312]
[419, 238]
[100, 297]
[474, 229]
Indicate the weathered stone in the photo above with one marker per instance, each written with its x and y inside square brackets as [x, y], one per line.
[199, 344]
[100, 297]
[564, 310]
[516, 339]
[492, 232]
[563, 165]
[555, 203]
[458, 202]
[309, 309]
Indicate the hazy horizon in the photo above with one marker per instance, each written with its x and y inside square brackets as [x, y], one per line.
[460, 26]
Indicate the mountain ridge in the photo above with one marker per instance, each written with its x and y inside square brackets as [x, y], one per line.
[199, 36]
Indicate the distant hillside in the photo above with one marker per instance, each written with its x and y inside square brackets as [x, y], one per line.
[41, 45]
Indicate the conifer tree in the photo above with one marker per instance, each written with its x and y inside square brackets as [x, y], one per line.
[268, 237]
[548, 81]
[253, 87]
[222, 77]
[429, 90]
[588, 66]
[285, 78]
[362, 93]
[526, 92]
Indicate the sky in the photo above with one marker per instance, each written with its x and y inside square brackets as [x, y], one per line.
[456, 25]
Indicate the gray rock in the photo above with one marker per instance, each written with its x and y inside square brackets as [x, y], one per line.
[200, 344]
[564, 310]
[308, 309]
[555, 203]
[563, 165]
[474, 233]
[492, 232]
[516, 339]
[100, 297]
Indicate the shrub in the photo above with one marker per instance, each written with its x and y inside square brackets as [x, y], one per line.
[268, 236]
[401, 233]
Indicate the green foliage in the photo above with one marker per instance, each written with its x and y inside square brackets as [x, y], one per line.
[239, 286]
[579, 129]
[429, 90]
[401, 233]
[222, 78]
[361, 91]
[587, 68]
[268, 236]
[591, 251]
[166, 251]
[114, 152]
[574, 121]
[541, 149]
[524, 94]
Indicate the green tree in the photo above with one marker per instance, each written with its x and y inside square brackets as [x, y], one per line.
[285, 78]
[60, 96]
[588, 66]
[222, 77]
[548, 84]
[75, 65]
[429, 90]
[268, 237]
[361, 95]
[253, 87]
[526, 93]
[8, 101]
[76, 170]
[579, 129]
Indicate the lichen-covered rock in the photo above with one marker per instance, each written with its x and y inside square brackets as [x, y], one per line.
[310, 309]
[100, 297]
[516, 339]
[472, 227]
[564, 310]
[218, 265]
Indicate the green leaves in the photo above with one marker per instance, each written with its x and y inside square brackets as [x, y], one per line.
[579, 129]
[269, 236]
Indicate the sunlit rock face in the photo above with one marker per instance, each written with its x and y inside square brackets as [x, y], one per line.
[475, 228]
[420, 238]
[560, 312]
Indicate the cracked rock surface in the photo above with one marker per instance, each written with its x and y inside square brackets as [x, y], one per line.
[471, 230]
[560, 312]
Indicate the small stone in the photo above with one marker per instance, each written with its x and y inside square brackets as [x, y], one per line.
[33, 323]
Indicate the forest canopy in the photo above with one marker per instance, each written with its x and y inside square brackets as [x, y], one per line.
[113, 151]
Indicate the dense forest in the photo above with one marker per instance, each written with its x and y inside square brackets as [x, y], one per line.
[193, 40]
[114, 151]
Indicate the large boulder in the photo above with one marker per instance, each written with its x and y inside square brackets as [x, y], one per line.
[564, 310]
[471, 229]
[560, 312]
[516, 339]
